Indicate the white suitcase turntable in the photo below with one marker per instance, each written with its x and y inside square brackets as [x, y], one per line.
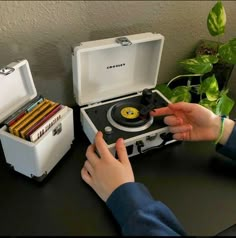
[114, 81]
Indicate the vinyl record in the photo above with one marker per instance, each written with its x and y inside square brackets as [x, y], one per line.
[127, 114]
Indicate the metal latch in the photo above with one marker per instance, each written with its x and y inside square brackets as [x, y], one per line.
[124, 41]
[57, 130]
[6, 70]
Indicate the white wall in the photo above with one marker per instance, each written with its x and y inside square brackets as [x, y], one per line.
[44, 31]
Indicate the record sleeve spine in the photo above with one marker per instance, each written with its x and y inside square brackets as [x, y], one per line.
[27, 115]
[23, 110]
[47, 125]
[37, 119]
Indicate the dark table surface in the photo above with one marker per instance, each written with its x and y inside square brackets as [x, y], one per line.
[198, 184]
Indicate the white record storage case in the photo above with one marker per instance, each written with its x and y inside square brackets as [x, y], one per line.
[107, 69]
[33, 159]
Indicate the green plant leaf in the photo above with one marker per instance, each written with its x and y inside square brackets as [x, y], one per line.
[224, 106]
[227, 52]
[165, 90]
[210, 58]
[212, 95]
[200, 65]
[210, 87]
[216, 19]
[211, 105]
[181, 94]
[224, 92]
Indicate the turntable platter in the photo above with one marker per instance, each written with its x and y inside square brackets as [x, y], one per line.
[125, 116]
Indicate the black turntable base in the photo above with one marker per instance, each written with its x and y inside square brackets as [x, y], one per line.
[125, 118]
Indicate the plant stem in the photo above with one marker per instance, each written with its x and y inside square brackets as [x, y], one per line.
[200, 90]
[183, 75]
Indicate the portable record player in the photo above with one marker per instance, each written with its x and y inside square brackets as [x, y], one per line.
[114, 81]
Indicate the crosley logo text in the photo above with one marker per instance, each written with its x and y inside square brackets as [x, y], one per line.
[115, 66]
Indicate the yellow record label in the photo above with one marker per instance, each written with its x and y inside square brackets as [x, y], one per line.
[130, 112]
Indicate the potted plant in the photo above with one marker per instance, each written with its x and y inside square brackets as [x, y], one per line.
[200, 83]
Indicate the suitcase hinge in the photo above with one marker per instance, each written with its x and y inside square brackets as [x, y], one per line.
[6, 70]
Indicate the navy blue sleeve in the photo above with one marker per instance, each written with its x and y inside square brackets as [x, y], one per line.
[229, 149]
[138, 213]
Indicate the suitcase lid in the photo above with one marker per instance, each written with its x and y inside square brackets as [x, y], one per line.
[114, 67]
[16, 87]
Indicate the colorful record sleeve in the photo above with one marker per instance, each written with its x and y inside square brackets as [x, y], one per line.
[23, 110]
[30, 118]
[11, 128]
[42, 123]
[23, 130]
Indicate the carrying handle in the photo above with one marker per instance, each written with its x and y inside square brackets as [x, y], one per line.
[165, 136]
[139, 147]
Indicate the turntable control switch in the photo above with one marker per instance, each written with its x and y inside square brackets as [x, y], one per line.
[108, 130]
